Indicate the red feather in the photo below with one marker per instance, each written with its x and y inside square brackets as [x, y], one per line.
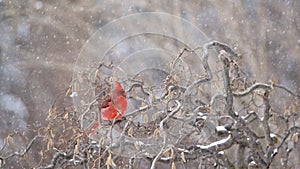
[113, 107]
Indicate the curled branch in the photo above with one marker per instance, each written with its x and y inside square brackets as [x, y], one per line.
[161, 127]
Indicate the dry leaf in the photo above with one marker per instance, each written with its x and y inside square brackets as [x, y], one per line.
[167, 152]
[156, 133]
[9, 140]
[138, 145]
[101, 142]
[109, 162]
[143, 103]
[130, 131]
[52, 134]
[49, 144]
[69, 91]
[97, 74]
[183, 157]
[76, 149]
[173, 165]
[65, 116]
[295, 137]
[50, 113]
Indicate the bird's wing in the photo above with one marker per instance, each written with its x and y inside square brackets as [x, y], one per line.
[105, 103]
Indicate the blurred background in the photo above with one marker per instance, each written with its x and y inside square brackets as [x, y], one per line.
[40, 41]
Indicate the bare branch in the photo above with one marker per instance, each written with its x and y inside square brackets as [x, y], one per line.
[161, 127]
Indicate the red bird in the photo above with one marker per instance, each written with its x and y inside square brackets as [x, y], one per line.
[115, 104]
[113, 107]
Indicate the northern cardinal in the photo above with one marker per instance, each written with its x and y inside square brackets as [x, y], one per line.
[115, 104]
[113, 107]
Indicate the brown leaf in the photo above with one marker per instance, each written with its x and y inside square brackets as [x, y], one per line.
[173, 165]
[9, 140]
[183, 157]
[130, 131]
[295, 137]
[69, 91]
[49, 144]
[109, 162]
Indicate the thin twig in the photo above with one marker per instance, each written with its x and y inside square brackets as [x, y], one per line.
[161, 127]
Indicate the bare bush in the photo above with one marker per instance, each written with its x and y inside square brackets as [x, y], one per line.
[179, 124]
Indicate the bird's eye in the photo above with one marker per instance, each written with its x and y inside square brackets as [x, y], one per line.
[123, 93]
